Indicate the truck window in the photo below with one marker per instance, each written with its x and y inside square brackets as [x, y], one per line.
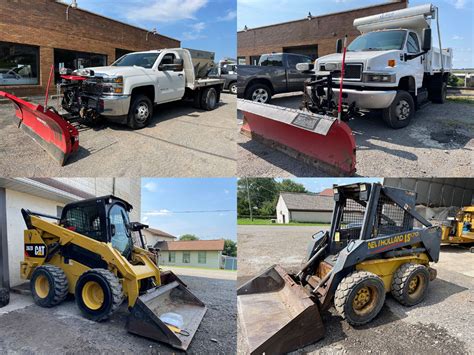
[295, 59]
[378, 41]
[145, 60]
[412, 43]
[272, 60]
[168, 58]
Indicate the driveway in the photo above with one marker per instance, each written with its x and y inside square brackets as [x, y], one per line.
[180, 141]
[439, 142]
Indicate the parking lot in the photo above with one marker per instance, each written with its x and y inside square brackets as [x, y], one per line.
[438, 142]
[441, 324]
[27, 328]
[180, 141]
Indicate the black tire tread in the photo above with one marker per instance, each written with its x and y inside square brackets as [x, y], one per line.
[252, 88]
[131, 121]
[60, 286]
[391, 120]
[400, 279]
[204, 104]
[4, 297]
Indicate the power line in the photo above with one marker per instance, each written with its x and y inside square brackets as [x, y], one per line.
[203, 211]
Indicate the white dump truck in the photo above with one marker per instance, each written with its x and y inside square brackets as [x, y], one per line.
[391, 66]
[127, 91]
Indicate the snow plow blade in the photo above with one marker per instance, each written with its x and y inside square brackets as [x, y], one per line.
[52, 132]
[317, 140]
[146, 315]
[276, 314]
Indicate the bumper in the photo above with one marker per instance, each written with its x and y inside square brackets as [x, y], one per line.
[116, 105]
[366, 99]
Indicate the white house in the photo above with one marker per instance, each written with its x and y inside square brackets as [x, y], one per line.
[153, 236]
[192, 253]
[48, 195]
[304, 207]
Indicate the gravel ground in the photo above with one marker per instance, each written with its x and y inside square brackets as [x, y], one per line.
[30, 329]
[441, 324]
[180, 141]
[438, 142]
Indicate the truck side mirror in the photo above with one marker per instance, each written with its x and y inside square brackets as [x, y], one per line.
[426, 39]
[304, 67]
[339, 45]
[178, 64]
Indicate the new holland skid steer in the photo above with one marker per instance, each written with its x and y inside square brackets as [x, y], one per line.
[90, 254]
[459, 228]
[371, 248]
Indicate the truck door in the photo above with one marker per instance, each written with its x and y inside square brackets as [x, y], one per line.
[295, 77]
[171, 84]
[417, 65]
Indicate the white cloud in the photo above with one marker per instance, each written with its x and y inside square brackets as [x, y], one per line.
[167, 10]
[458, 4]
[226, 192]
[162, 212]
[231, 15]
[456, 37]
[195, 32]
[150, 186]
[145, 219]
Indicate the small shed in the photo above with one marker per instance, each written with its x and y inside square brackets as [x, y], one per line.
[304, 207]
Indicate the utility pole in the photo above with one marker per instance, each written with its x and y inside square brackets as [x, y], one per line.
[248, 198]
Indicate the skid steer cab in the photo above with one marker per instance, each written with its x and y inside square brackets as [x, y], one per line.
[89, 253]
[372, 247]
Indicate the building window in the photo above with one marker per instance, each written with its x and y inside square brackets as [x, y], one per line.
[254, 59]
[241, 60]
[77, 60]
[172, 257]
[186, 258]
[202, 257]
[19, 64]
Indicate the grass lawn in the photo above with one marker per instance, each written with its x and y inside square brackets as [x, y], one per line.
[247, 221]
[462, 100]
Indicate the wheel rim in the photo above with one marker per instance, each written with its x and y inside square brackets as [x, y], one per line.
[42, 286]
[212, 99]
[93, 295]
[403, 110]
[142, 112]
[416, 286]
[233, 89]
[365, 300]
[260, 95]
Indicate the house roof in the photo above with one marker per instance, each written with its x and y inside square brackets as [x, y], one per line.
[192, 245]
[160, 233]
[326, 192]
[307, 201]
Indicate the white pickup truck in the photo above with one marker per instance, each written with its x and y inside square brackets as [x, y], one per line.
[391, 66]
[127, 91]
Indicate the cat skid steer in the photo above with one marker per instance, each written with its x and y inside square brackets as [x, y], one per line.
[90, 254]
[371, 248]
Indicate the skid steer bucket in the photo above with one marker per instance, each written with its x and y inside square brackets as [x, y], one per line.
[276, 314]
[169, 276]
[147, 315]
[52, 132]
[317, 140]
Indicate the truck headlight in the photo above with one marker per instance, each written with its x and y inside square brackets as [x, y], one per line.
[379, 78]
[112, 85]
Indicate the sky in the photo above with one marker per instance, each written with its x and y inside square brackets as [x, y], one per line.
[456, 25]
[319, 184]
[203, 207]
[199, 24]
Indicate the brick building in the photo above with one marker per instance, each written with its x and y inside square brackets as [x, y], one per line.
[314, 36]
[35, 34]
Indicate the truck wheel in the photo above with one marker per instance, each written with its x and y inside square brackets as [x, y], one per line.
[359, 297]
[259, 93]
[49, 286]
[233, 88]
[401, 111]
[98, 294]
[438, 95]
[4, 297]
[209, 99]
[141, 111]
[409, 283]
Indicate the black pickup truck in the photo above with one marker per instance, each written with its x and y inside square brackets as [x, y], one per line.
[275, 73]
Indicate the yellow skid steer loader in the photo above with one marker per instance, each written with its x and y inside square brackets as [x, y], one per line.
[460, 229]
[89, 253]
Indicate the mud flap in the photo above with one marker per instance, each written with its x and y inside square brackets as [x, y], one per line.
[317, 140]
[276, 314]
[144, 319]
[53, 133]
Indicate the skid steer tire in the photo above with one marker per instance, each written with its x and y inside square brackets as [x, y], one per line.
[359, 297]
[409, 283]
[49, 286]
[209, 99]
[4, 297]
[98, 294]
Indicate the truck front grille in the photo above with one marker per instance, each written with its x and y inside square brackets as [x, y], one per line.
[352, 72]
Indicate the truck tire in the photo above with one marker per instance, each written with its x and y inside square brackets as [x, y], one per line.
[233, 88]
[141, 111]
[359, 297]
[409, 283]
[438, 95]
[98, 294]
[401, 111]
[49, 286]
[259, 93]
[4, 297]
[209, 99]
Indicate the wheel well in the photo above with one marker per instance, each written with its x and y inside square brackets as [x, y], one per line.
[407, 83]
[260, 81]
[148, 91]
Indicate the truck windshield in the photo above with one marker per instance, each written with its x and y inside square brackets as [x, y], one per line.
[378, 41]
[145, 60]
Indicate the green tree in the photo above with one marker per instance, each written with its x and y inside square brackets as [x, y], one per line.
[288, 185]
[188, 237]
[260, 190]
[455, 81]
[230, 248]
